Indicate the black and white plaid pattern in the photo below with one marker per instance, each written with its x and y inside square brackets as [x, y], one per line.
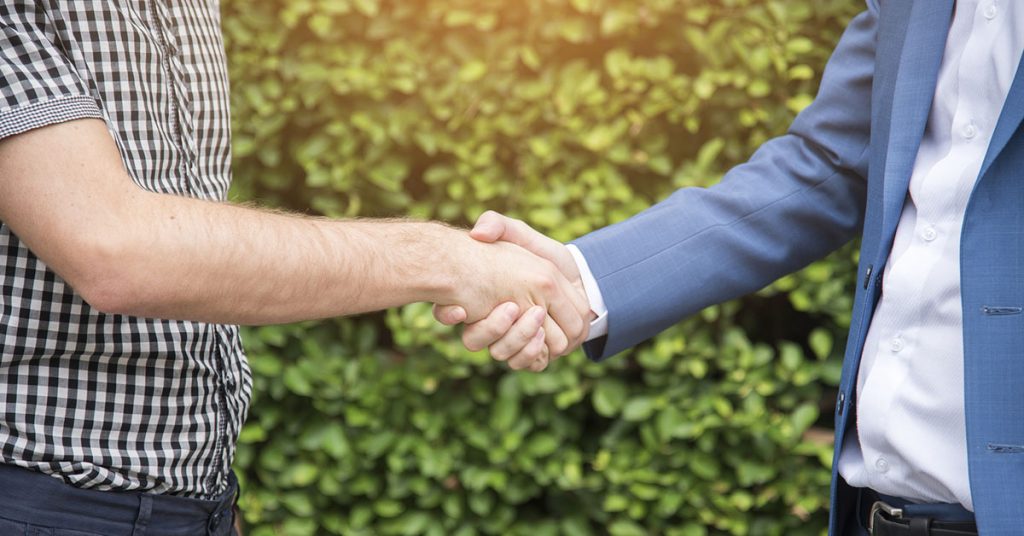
[114, 402]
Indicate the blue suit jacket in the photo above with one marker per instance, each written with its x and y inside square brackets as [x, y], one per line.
[844, 168]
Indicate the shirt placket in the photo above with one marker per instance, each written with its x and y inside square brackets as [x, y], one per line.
[182, 117]
[183, 120]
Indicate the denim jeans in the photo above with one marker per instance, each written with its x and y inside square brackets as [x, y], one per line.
[34, 504]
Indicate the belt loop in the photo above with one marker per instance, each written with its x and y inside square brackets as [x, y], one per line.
[145, 514]
[218, 523]
[920, 526]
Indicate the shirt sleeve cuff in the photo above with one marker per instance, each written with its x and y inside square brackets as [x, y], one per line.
[599, 326]
[47, 112]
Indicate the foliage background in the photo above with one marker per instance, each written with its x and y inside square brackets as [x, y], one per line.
[571, 114]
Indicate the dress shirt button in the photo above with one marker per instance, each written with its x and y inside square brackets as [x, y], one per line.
[882, 465]
[970, 131]
[991, 11]
[896, 344]
[929, 234]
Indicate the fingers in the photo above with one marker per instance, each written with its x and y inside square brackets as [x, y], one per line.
[483, 333]
[449, 315]
[521, 342]
[570, 311]
[519, 335]
[533, 356]
[556, 341]
[542, 362]
[579, 300]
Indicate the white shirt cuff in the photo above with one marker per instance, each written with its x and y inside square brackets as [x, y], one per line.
[599, 327]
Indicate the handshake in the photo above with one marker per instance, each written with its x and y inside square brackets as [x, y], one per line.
[525, 303]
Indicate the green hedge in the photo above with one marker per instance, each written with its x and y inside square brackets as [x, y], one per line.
[571, 114]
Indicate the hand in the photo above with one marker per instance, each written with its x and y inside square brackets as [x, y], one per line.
[489, 274]
[502, 331]
[522, 337]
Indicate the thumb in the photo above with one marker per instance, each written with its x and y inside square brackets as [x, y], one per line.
[449, 315]
[490, 227]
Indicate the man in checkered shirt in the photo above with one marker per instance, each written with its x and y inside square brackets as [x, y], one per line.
[124, 272]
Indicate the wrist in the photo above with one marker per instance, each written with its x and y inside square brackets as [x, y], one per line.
[444, 263]
[585, 280]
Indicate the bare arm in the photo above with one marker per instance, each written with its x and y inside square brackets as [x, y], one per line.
[65, 193]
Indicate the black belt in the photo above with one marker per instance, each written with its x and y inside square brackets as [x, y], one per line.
[891, 516]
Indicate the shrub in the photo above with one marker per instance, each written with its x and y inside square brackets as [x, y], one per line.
[571, 114]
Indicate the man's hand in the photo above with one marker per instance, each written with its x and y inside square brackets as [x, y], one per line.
[497, 281]
[502, 331]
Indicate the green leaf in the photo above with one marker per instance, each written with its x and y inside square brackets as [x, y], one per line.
[804, 416]
[609, 397]
[638, 409]
[624, 527]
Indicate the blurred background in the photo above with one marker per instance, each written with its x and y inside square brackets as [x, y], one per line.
[569, 114]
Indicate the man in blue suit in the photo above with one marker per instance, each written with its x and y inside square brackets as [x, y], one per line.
[913, 142]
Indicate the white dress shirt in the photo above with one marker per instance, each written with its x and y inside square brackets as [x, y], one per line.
[911, 437]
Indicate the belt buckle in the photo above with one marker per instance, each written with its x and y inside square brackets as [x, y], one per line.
[885, 508]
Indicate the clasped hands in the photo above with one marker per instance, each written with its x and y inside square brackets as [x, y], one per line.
[530, 307]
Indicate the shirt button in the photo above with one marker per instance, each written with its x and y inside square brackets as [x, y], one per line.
[929, 234]
[882, 465]
[970, 131]
[991, 11]
[896, 344]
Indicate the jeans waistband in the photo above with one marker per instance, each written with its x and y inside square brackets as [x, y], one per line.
[38, 499]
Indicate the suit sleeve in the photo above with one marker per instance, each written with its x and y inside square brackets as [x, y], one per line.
[799, 197]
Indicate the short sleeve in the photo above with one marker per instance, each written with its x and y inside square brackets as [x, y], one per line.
[39, 85]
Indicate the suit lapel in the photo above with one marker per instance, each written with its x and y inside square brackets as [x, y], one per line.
[916, 78]
[1009, 119]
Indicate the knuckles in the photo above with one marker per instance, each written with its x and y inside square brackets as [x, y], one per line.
[493, 331]
[470, 343]
[516, 365]
[500, 353]
[558, 347]
[547, 283]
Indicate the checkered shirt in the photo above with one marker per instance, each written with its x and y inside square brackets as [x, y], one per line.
[114, 402]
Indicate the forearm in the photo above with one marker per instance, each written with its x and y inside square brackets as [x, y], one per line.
[65, 193]
[704, 246]
[217, 262]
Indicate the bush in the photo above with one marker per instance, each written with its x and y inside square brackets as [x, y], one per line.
[571, 114]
